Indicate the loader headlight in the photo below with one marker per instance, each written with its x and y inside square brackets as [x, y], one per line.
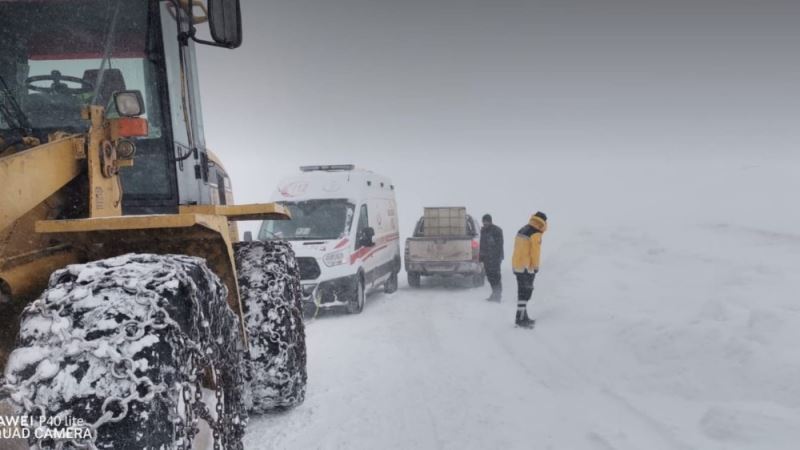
[129, 103]
[335, 259]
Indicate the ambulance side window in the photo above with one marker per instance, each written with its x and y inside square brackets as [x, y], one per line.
[363, 224]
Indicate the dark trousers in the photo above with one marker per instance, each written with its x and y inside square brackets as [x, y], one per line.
[525, 286]
[493, 275]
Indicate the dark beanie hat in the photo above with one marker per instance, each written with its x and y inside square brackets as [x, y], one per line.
[487, 218]
[541, 215]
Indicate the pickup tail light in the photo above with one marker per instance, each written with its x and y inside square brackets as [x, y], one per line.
[476, 250]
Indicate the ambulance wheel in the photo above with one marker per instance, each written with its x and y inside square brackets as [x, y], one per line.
[359, 297]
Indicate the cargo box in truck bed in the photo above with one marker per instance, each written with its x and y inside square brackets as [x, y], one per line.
[445, 242]
[450, 222]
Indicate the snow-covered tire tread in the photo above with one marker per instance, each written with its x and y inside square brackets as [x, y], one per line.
[269, 286]
[129, 327]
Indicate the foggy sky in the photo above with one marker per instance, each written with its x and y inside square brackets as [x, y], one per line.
[490, 84]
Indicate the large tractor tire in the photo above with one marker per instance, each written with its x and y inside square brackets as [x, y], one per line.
[269, 285]
[125, 344]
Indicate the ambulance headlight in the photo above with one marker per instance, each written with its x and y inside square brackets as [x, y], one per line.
[335, 259]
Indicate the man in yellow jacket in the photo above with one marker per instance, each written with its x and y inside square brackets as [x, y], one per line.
[527, 248]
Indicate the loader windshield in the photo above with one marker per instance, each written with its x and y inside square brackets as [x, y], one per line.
[58, 56]
[311, 220]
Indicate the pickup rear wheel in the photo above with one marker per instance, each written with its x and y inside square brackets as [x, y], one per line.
[479, 279]
[414, 279]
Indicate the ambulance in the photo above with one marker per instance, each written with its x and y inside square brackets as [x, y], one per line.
[344, 232]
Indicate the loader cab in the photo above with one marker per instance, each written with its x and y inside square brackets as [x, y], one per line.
[58, 56]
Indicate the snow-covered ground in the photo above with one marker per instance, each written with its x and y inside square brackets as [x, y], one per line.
[668, 318]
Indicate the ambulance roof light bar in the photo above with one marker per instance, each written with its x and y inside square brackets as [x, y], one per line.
[329, 168]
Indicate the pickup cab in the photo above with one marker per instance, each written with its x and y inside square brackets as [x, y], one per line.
[445, 243]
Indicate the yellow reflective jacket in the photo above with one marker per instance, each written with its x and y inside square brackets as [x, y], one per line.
[528, 246]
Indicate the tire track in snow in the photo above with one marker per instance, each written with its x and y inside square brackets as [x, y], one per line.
[459, 382]
[621, 403]
[414, 337]
[472, 388]
[599, 440]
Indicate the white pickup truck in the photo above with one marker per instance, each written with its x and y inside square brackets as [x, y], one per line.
[445, 243]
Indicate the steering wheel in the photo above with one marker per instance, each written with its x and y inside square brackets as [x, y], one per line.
[58, 85]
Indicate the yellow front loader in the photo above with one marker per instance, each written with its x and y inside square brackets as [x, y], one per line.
[128, 308]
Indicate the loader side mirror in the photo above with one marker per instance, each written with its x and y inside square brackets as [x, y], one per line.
[248, 236]
[225, 21]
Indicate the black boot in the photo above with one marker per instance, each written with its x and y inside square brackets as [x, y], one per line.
[523, 320]
[496, 296]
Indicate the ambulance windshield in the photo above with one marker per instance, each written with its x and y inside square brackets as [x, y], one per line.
[311, 220]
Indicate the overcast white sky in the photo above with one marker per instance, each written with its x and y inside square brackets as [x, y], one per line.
[470, 89]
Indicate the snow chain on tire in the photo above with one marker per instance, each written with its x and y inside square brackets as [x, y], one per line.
[269, 286]
[125, 344]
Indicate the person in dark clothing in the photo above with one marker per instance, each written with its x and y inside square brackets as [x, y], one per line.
[525, 262]
[491, 255]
